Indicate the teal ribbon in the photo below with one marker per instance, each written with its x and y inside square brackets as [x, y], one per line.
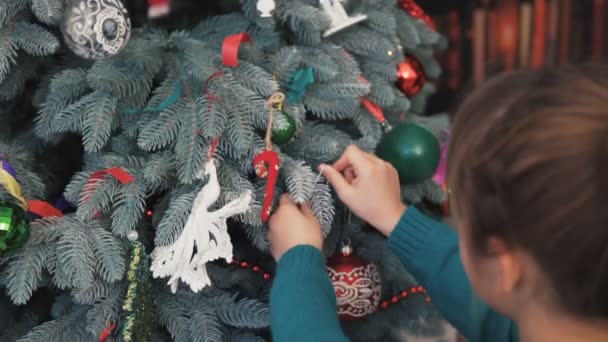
[168, 102]
[300, 81]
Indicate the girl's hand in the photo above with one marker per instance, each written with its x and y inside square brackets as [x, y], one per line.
[369, 186]
[292, 226]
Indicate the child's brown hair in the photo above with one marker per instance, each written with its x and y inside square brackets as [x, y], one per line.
[528, 164]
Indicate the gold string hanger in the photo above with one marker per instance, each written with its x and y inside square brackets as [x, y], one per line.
[274, 102]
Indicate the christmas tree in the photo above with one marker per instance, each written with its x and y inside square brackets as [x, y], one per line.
[136, 149]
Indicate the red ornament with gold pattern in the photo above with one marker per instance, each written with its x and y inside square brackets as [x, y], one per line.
[410, 76]
[356, 283]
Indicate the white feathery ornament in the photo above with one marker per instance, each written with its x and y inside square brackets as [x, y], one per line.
[204, 237]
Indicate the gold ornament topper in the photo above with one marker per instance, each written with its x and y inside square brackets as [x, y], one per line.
[274, 102]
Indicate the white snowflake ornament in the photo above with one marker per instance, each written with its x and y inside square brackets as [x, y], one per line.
[204, 237]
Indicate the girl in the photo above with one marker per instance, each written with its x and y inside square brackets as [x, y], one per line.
[528, 169]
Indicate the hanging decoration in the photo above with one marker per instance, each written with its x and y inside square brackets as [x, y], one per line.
[230, 48]
[96, 29]
[283, 130]
[414, 10]
[158, 8]
[14, 226]
[139, 305]
[265, 8]
[412, 150]
[204, 237]
[376, 111]
[410, 76]
[299, 83]
[338, 16]
[356, 283]
[266, 163]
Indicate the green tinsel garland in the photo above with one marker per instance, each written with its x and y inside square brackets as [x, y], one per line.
[139, 305]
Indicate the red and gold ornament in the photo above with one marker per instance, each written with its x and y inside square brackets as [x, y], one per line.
[410, 76]
[413, 9]
[267, 163]
[356, 283]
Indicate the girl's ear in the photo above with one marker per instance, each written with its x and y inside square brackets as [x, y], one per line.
[508, 263]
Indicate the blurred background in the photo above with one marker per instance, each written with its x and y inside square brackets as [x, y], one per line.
[487, 37]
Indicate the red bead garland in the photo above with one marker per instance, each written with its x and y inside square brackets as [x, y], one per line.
[384, 304]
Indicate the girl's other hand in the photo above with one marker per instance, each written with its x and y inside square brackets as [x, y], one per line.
[369, 186]
[292, 225]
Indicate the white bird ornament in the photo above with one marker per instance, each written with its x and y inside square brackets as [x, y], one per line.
[204, 237]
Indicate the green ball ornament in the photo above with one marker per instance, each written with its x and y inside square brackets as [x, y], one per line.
[283, 129]
[412, 150]
[14, 228]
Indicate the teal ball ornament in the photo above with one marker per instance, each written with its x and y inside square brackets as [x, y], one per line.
[283, 129]
[412, 149]
[14, 228]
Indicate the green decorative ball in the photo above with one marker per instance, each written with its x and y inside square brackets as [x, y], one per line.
[14, 228]
[412, 150]
[283, 128]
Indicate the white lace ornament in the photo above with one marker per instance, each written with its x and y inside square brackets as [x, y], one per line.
[204, 237]
[96, 29]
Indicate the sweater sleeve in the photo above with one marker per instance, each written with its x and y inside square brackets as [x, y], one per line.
[429, 250]
[302, 300]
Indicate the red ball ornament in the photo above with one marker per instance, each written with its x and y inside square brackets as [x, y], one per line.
[413, 9]
[410, 76]
[356, 283]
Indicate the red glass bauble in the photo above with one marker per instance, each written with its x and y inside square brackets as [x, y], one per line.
[357, 284]
[413, 9]
[410, 76]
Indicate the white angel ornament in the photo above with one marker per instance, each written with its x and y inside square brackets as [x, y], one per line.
[204, 237]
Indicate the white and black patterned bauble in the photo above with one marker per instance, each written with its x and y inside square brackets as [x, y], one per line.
[96, 29]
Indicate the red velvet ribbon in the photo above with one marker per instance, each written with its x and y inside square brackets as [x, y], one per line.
[213, 147]
[118, 173]
[230, 48]
[107, 332]
[374, 109]
[43, 209]
[122, 176]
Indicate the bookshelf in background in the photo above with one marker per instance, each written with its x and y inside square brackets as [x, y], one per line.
[489, 36]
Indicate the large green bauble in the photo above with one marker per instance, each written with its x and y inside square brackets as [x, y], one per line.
[14, 228]
[284, 129]
[412, 150]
